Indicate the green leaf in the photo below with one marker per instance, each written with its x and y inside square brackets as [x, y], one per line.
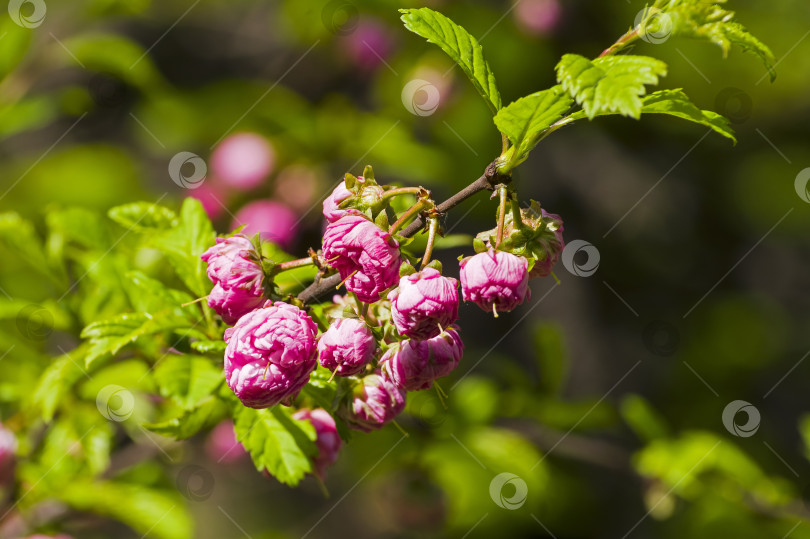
[206, 414]
[184, 244]
[276, 442]
[524, 120]
[707, 20]
[151, 296]
[82, 226]
[459, 45]
[645, 421]
[187, 379]
[143, 216]
[108, 337]
[551, 357]
[16, 41]
[209, 347]
[148, 511]
[56, 381]
[609, 84]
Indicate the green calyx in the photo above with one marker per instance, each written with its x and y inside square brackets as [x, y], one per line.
[527, 232]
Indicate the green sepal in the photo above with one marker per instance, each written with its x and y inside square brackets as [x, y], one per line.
[406, 269]
[382, 220]
[435, 264]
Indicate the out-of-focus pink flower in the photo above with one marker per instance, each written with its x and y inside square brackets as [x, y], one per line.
[369, 45]
[243, 160]
[327, 439]
[346, 347]
[234, 266]
[272, 220]
[495, 278]
[366, 256]
[414, 365]
[297, 186]
[270, 354]
[40, 536]
[537, 17]
[212, 199]
[375, 403]
[424, 302]
[222, 445]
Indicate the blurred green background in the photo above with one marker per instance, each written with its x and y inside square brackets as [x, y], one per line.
[605, 394]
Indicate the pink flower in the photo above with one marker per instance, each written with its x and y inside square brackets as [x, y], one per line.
[424, 302]
[40, 536]
[552, 245]
[270, 354]
[211, 199]
[222, 445]
[366, 256]
[538, 17]
[414, 365]
[369, 44]
[243, 160]
[327, 439]
[375, 404]
[8, 448]
[331, 210]
[495, 280]
[234, 266]
[347, 346]
[272, 220]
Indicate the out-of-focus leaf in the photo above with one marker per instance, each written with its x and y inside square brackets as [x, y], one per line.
[191, 421]
[209, 347]
[642, 418]
[551, 357]
[28, 113]
[85, 227]
[114, 54]
[143, 216]
[187, 379]
[16, 41]
[57, 380]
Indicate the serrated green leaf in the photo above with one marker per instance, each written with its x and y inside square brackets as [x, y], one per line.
[459, 45]
[143, 216]
[524, 120]
[108, 337]
[708, 20]
[56, 381]
[187, 379]
[148, 511]
[205, 414]
[612, 84]
[151, 296]
[276, 442]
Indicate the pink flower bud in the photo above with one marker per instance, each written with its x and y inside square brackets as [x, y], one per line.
[375, 403]
[222, 445]
[369, 44]
[366, 256]
[414, 365]
[327, 439]
[270, 354]
[347, 346]
[551, 244]
[495, 280]
[235, 268]
[272, 220]
[424, 303]
[538, 17]
[243, 160]
[331, 210]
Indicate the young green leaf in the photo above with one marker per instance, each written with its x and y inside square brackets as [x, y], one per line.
[524, 120]
[143, 216]
[205, 414]
[676, 103]
[276, 442]
[612, 84]
[709, 21]
[459, 45]
[187, 379]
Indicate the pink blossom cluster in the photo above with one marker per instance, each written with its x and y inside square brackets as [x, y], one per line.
[393, 332]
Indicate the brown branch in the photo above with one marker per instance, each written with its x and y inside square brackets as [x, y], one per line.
[486, 181]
